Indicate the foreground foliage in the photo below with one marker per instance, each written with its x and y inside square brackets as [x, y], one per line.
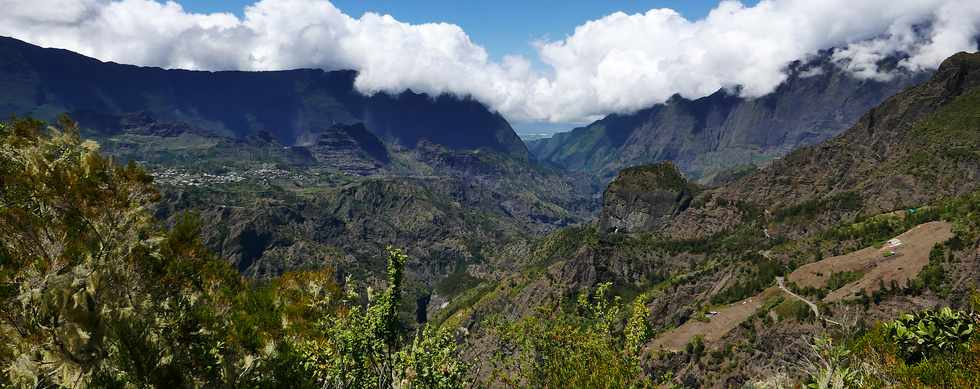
[924, 349]
[587, 347]
[95, 293]
[926, 333]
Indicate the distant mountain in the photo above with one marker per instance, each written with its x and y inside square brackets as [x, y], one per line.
[290, 105]
[713, 134]
[917, 147]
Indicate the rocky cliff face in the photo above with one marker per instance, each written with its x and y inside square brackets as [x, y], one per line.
[351, 149]
[290, 105]
[644, 198]
[713, 134]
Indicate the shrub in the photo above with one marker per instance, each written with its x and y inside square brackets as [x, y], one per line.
[839, 279]
[586, 347]
[884, 358]
[829, 366]
[97, 294]
[760, 277]
[925, 333]
[933, 274]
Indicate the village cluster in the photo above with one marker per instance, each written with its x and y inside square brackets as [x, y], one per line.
[179, 177]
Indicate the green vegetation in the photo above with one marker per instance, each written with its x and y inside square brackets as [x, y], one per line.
[879, 228]
[661, 176]
[95, 293]
[930, 332]
[830, 367]
[793, 309]
[945, 138]
[926, 349]
[933, 275]
[838, 279]
[760, 277]
[584, 348]
[456, 282]
[695, 348]
[844, 201]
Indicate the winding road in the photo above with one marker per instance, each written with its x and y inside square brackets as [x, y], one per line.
[813, 307]
[782, 285]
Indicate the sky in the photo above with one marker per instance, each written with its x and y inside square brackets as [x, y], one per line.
[502, 27]
[540, 63]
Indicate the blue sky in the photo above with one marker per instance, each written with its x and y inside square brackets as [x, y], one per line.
[620, 64]
[501, 26]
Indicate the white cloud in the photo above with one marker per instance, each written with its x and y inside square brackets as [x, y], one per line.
[616, 63]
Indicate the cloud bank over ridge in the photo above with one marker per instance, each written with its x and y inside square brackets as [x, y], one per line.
[617, 63]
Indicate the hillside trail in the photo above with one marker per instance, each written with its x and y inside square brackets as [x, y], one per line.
[813, 307]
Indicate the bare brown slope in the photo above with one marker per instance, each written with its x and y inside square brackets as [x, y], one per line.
[909, 258]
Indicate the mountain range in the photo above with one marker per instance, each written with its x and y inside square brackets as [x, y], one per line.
[735, 229]
[297, 169]
[717, 135]
[292, 106]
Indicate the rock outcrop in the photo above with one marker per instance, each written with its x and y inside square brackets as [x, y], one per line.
[351, 149]
[644, 198]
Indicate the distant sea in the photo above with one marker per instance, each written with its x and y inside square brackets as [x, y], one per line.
[535, 131]
[526, 136]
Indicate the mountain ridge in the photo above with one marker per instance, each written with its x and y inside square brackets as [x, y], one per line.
[291, 104]
[710, 135]
[866, 167]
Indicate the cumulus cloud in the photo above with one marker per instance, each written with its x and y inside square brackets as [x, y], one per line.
[617, 63]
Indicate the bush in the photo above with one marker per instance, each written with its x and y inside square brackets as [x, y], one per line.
[839, 279]
[925, 333]
[590, 347]
[893, 361]
[933, 275]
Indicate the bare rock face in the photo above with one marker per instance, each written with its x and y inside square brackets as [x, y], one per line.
[644, 198]
[351, 149]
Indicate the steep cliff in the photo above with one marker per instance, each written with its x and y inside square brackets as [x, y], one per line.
[644, 197]
[292, 105]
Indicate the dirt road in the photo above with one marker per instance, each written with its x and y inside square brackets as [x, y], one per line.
[813, 307]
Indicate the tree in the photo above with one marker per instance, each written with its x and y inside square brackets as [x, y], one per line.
[587, 348]
[94, 292]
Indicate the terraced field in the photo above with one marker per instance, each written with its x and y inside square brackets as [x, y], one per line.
[879, 265]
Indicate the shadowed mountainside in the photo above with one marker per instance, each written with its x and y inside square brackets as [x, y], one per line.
[714, 134]
[290, 105]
